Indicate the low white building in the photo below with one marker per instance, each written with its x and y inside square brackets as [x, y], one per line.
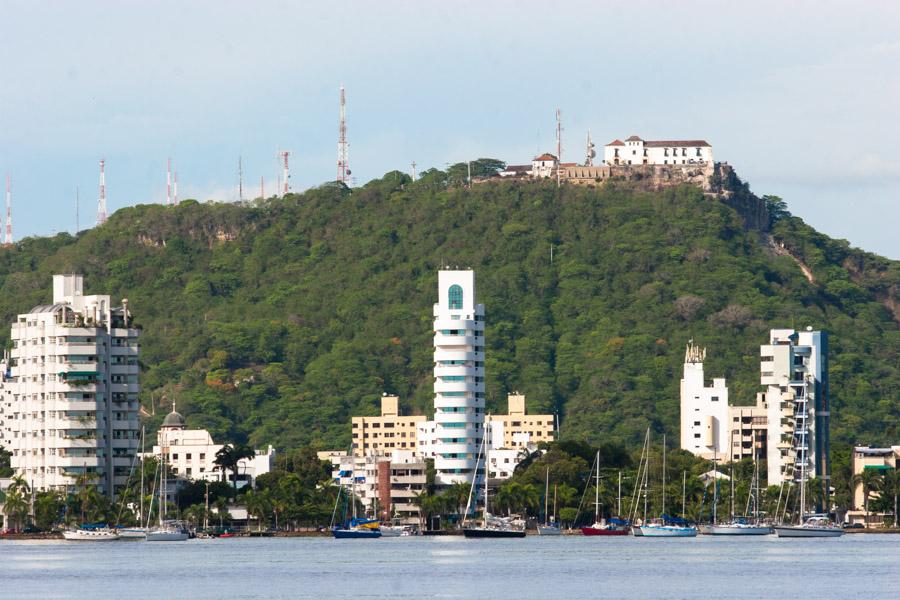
[635, 151]
[191, 454]
[704, 410]
[544, 165]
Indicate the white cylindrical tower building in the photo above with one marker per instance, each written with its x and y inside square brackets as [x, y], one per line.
[458, 378]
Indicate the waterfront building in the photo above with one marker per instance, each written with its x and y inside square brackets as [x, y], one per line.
[881, 460]
[748, 430]
[458, 377]
[636, 151]
[386, 487]
[387, 433]
[70, 391]
[794, 370]
[191, 454]
[516, 429]
[704, 409]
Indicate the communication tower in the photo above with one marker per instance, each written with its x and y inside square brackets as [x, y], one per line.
[8, 241]
[101, 201]
[343, 165]
[285, 172]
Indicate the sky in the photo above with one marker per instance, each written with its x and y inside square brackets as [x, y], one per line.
[800, 97]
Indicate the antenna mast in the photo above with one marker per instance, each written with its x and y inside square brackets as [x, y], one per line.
[343, 166]
[262, 188]
[286, 172]
[168, 182]
[558, 146]
[101, 202]
[8, 241]
[77, 224]
[591, 153]
[240, 180]
[175, 186]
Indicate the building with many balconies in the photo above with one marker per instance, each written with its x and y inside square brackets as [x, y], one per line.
[70, 396]
[458, 378]
[385, 434]
[794, 370]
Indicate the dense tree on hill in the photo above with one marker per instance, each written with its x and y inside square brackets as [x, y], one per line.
[275, 322]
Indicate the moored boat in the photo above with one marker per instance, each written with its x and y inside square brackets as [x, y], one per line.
[816, 526]
[90, 534]
[659, 528]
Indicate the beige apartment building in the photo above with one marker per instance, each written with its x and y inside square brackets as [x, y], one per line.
[387, 433]
[748, 426]
[518, 429]
[870, 459]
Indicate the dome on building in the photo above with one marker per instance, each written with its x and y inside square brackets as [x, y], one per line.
[173, 420]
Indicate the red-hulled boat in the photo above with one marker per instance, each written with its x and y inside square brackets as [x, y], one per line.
[606, 529]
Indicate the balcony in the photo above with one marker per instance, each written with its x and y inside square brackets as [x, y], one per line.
[467, 341]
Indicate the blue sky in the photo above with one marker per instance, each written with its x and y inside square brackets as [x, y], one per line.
[800, 97]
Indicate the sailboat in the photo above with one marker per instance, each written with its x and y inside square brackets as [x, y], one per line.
[550, 526]
[740, 525]
[91, 533]
[809, 526]
[139, 532]
[491, 526]
[601, 526]
[166, 530]
[664, 526]
[356, 528]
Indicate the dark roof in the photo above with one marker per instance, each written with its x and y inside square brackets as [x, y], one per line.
[545, 156]
[661, 143]
[173, 419]
[517, 168]
[616, 143]
[634, 138]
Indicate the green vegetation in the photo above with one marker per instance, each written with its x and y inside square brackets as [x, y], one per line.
[274, 323]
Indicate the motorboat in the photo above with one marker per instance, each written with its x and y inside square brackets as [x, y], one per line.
[816, 526]
[91, 534]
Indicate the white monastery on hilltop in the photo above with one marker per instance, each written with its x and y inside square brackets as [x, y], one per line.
[635, 151]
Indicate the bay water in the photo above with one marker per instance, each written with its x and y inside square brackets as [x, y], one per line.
[854, 566]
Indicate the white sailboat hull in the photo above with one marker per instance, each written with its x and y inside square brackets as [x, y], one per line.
[133, 533]
[549, 530]
[735, 530]
[663, 531]
[808, 532]
[166, 536]
[90, 536]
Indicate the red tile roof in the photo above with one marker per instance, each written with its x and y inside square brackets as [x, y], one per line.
[634, 138]
[545, 156]
[616, 143]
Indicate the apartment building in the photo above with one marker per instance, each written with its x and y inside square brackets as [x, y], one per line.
[386, 433]
[516, 429]
[748, 428]
[70, 391]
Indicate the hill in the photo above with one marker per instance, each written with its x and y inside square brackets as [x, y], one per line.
[274, 323]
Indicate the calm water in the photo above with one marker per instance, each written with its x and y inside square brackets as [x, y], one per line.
[854, 566]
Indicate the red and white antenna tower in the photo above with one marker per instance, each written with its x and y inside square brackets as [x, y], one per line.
[101, 202]
[175, 187]
[8, 241]
[168, 182]
[285, 172]
[343, 166]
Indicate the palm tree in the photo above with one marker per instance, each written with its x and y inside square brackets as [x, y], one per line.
[228, 458]
[891, 488]
[16, 508]
[870, 480]
[221, 506]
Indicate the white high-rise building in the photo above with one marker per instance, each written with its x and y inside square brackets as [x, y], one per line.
[458, 377]
[704, 410]
[70, 401]
[794, 370]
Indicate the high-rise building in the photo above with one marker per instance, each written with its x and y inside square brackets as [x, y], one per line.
[518, 430]
[70, 405]
[704, 409]
[794, 370]
[458, 378]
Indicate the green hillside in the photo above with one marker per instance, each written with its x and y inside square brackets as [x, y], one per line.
[274, 323]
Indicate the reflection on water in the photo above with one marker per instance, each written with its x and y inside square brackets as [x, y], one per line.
[452, 567]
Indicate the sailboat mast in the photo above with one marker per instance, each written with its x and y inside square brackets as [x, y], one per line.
[546, 494]
[597, 489]
[619, 497]
[684, 494]
[487, 433]
[664, 476]
[554, 502]
[141, 515]
[715, 488]
[732, 491]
